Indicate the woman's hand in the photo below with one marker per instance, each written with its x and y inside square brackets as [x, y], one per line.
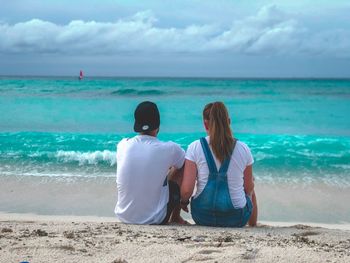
[184, 205]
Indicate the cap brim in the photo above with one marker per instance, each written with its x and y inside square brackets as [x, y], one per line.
[137, 127]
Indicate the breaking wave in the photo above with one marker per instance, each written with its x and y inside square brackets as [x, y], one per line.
[87, 157]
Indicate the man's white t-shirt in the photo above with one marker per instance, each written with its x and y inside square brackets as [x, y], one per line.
[240, 159]
[143, 163]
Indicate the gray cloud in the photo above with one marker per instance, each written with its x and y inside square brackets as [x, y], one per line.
[270, 31]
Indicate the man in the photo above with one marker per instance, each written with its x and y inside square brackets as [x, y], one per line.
[145, 193]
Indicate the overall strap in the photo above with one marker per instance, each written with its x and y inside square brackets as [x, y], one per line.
[208, 156]
[226, 162]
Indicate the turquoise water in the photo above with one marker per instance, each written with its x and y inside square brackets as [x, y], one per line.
[298, 130]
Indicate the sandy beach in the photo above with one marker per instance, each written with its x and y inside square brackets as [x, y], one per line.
[71, 220]
[25, 237]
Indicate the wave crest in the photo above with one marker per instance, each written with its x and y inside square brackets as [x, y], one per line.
[87, 157]
[135, 92]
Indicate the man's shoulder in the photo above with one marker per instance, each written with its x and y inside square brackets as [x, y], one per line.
[124, 141]
[169, 144]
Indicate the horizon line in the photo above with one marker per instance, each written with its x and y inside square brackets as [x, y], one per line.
[177, 77]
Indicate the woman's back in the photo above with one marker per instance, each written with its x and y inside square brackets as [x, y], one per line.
[240, 159]
[221, 197]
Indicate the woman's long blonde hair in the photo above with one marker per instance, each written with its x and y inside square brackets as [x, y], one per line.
[221, 138]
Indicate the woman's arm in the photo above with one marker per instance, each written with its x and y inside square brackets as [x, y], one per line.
[248, 180]
[249, 190]
[188, 181]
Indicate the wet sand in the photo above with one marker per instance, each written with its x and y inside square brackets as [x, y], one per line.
[97, 197]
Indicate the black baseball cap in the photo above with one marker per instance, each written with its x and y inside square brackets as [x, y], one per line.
[146, 117]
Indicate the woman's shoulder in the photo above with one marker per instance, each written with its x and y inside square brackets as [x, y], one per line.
[197, 143]
[194, 144]
[192, 152]
[243, 152]
[242, 146]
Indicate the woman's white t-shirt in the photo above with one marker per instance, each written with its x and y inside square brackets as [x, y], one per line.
[240, 159]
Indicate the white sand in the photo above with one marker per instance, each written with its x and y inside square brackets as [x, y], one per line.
[25, 237]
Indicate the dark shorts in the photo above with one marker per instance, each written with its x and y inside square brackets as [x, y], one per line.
[174, 200]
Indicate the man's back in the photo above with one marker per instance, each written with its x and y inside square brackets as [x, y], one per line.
[142, 166]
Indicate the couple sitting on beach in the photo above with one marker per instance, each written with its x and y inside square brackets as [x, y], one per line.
[156, 179]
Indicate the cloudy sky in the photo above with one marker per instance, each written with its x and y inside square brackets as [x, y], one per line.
[200, 38]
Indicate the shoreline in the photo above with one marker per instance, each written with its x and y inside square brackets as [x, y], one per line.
[4, 216]
[317, 203]
[34, 238]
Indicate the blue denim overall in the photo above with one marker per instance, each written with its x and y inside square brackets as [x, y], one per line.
[213, 206]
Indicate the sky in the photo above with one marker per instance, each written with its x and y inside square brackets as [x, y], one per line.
[169, 38]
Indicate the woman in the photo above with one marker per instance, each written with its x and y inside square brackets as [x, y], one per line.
[223, 197]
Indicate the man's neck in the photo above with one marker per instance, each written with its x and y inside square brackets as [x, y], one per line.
[153, 134]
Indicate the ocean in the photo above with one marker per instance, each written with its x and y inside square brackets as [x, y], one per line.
[297, 129]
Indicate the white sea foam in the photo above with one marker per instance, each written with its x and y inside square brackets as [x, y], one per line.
[309, 153]
[262, 156]
[87, 157]
[342, 166]
[38, 154]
